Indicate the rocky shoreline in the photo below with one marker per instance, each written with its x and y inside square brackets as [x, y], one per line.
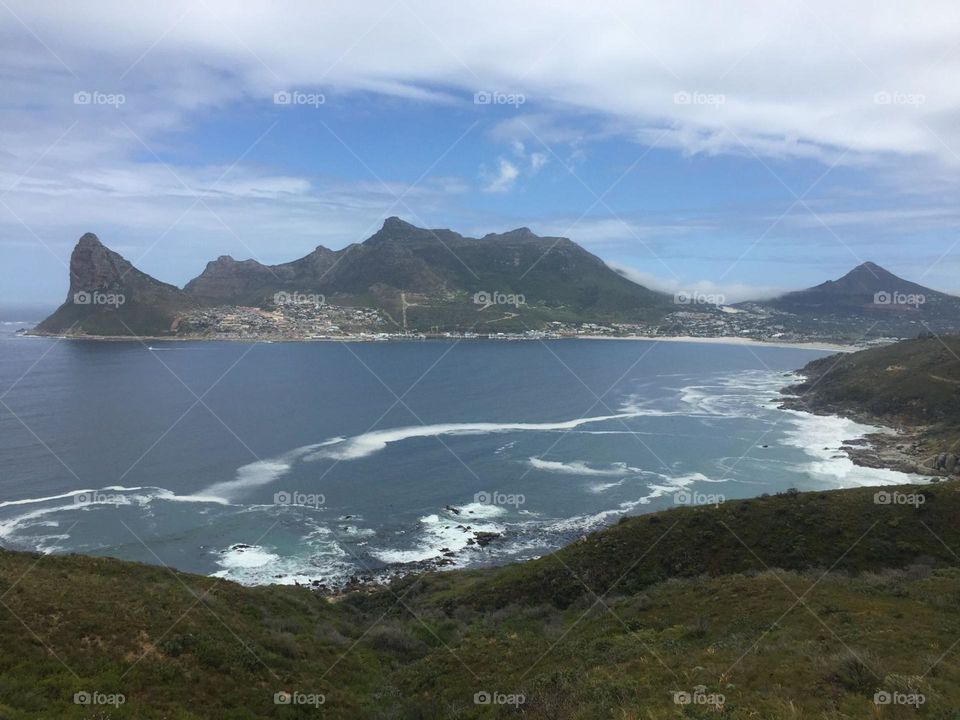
[902, 448]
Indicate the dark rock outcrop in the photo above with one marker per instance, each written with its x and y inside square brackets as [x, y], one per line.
[109, 296]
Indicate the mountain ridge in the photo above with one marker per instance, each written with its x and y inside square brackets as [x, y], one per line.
[440, 270]
[423, 279]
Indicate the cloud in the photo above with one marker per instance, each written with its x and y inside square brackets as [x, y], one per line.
[806, 80]
[508, 172]
[731, 292]
[506, 175]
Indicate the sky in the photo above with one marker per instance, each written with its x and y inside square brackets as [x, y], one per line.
[745, 148]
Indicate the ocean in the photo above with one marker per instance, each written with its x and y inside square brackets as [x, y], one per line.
[316, 462]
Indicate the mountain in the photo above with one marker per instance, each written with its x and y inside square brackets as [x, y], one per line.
[429, 277]
[109, 296]
[441, 270]
[870, 296]
[797, 605]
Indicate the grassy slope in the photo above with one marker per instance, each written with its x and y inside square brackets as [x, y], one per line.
[914, 382]
[691, 599]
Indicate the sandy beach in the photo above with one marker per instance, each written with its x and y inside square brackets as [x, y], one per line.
[726, 340]
[730, 340]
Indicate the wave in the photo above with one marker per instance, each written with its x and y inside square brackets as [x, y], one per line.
[323, 560]
[670, 484]
[343, 449]
[446, 532]
[580, 467]
[86, 498]
[821, 437]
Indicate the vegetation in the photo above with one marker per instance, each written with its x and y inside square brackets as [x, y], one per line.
[911, 383]
[801, 605]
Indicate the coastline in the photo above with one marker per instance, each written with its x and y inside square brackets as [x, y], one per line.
[730, 340]
[712, 340]
[891, 448]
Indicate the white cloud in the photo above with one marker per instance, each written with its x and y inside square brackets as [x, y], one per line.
[731, 292]
[800, 80]
[537, 161]
[503, 180]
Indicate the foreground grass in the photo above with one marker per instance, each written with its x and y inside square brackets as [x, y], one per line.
[795, 606]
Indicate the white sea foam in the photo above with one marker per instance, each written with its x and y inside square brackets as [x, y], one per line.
[445, 531]
[821, 437]
[88, 498]
[319, 557]
[667, 485]
[246, 557]
[369, 443]
[597, 488]
[264, 472]
[581, 467]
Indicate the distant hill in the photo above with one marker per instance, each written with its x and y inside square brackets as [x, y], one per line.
[430, 276]
[870, 296]
[109, 296]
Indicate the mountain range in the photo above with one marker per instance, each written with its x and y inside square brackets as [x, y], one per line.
[434, 277]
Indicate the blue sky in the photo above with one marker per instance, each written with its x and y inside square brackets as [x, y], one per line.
[690, 147]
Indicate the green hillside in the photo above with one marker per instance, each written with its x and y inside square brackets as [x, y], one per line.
[801, 605]
[913, 384]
